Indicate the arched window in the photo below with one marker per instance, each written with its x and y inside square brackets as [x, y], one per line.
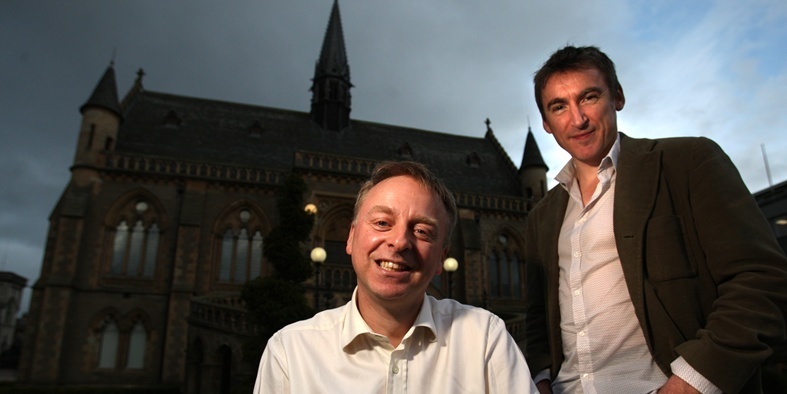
[135, 242]
[240, 255]
[137, 344]
[331, 234]
[504, 267]
[107, 352]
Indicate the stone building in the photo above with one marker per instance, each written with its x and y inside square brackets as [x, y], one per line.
[773, 204]
[11, 286]
[170, 200]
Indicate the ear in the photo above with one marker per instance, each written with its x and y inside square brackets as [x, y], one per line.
[442, 259]
[620, 99]
[348, 248]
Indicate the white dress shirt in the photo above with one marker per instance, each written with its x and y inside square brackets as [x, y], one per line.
[604, 347]
[451, 348]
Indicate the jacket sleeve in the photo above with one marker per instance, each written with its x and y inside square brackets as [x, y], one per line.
[745, 263]
[537, 351]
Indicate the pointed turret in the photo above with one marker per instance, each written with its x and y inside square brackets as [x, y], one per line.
[533, 170]
[331, 101]
[105, 95]
[101, 117]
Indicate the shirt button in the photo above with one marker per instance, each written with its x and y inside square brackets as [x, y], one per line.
[576, 292]
[395, 369]
[584, 376]
[577, 254]
[582, 333]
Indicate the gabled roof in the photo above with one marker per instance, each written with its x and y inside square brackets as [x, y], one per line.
[186, 128]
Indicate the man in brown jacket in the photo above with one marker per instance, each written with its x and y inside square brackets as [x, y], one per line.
[650, 267]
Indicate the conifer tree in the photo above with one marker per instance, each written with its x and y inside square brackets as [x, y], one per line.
[274, 301]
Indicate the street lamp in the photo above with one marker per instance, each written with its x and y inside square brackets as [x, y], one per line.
[318, 256]
[450, 265]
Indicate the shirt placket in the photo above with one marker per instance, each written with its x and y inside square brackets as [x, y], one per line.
[397, 372]
[584, 361]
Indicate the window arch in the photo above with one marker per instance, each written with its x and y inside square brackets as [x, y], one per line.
[331, 233]
[108, 345]
[134, 238]
[137, 344]
[505, 268]
[240, 242]
[120, 343]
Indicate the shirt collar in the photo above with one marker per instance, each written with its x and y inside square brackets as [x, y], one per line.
[566, 175]
[355, 326]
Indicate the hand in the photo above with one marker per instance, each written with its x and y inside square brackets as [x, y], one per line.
[544, 386]
[676, 385]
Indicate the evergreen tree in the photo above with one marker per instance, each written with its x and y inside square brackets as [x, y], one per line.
[279, 299]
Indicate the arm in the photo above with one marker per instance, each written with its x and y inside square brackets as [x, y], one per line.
[537, 348]
[747, 266]
[272, 375]
[507, 370]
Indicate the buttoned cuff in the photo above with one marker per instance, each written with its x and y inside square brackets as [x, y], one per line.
[683, 370]
[543, 375]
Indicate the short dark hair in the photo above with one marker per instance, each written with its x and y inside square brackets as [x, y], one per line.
[417, 171]
[572, 58]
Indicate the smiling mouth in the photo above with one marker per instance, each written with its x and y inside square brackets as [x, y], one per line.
[584, 134]
[393, 267]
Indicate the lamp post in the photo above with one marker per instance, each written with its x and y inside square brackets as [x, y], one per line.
[310, 208]
[450, 265]
[318, 256]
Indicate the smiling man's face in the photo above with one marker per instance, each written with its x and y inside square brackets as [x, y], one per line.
[397, 242]
[580, 111]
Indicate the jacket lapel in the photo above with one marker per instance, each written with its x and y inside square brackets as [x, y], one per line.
[638, 172]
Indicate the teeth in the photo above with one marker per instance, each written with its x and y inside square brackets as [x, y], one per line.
[389, 266]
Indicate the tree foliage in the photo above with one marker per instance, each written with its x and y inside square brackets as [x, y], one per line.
[274, 301]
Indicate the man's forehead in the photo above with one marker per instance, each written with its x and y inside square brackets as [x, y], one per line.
[580, 73]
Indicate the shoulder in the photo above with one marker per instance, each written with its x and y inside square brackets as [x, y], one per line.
[552, 200]
[669, 145]
[462, 314]
[326, 320]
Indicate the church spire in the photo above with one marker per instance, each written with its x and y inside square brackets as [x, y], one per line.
[101, 118]
[532, 155]
[331, 84]
[105, 95]
[532, 171]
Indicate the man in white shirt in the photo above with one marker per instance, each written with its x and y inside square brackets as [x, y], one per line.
[392, 337]
[650, 268]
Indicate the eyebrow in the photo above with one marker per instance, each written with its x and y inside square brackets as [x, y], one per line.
[561, 100]
[420, 219]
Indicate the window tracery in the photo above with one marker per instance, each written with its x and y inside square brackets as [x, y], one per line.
[504, 268]
[135, 241]
[241, 242]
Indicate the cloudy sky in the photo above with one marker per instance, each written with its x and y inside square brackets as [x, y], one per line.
[703, 68]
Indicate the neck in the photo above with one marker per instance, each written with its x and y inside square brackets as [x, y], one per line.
[587, 178]
[393, 321]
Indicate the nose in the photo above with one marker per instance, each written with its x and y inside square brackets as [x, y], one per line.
[399, 238]
[578, 118]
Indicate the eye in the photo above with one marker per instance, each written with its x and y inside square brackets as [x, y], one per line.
[380, 223]
[424, 233]
[557, 108]
[591, 98]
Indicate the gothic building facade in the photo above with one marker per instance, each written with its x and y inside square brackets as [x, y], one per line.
[170, 201]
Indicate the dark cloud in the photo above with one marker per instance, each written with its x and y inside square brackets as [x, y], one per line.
[442, 66]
